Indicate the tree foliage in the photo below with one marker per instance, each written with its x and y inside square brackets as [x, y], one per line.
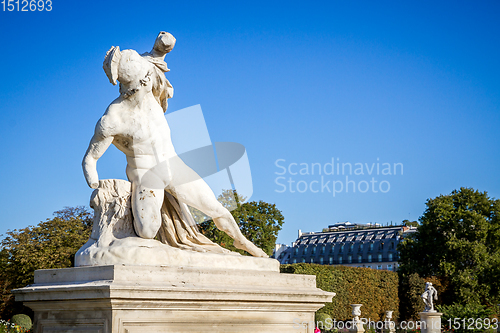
[474, 315]
[411, 288]
[51, 244]
[408, 223]
[259, 222]
[411, 303]
[458, 241]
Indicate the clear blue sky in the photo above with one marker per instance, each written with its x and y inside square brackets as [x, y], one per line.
[415, 83]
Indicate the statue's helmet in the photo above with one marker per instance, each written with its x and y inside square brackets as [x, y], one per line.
[111, 63]
[125, 66]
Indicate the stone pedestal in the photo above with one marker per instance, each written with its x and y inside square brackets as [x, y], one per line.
[430, 322]
[357, 327]
[153, 299]
[389, 327]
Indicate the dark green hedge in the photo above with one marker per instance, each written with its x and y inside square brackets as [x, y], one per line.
[377, 290]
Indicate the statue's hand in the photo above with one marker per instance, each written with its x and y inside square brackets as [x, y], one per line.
[91, 177]
[97, 147]
[90, 171]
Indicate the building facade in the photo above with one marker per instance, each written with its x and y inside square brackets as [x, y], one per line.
[357, 245]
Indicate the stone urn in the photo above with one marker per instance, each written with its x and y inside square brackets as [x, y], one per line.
[389, 325]
[356, 311]
[357, 326]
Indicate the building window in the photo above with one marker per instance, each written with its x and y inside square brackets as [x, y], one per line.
[294, 260]
[360, 247]
[304, 251]
[381, 246]
[392, 246]
[379, 257]
[331, 249]
[369, 258]
[379, 266]
[349, 259]
[360, 258]
[313, 252]
[303, 259]
[368, 266]
[330, 260]
[371, 246]
[321, 260]
[351, 247]
[323, 248]
[342, 248]
[390, 256]
[296, 251]
[389, 267]
[312, 260]
[340, 259]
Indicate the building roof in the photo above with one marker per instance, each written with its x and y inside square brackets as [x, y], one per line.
[361, 233]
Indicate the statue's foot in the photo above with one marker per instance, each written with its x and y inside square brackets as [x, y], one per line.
[231, 253]
[250, 248]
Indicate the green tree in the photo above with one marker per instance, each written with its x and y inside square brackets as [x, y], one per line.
[51, 244]
[259, 222]
[408, 223]
[475, 313]
[458, 240]
[411, 303]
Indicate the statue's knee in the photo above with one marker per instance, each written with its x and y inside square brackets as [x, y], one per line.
[147, 227]
[146, 232]
[222, 213]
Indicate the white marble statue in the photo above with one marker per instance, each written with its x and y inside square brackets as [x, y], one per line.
[136, 125]
[429, 295]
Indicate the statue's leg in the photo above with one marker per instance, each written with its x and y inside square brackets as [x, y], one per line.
[146, 208]
[191, 189]
[199, 195]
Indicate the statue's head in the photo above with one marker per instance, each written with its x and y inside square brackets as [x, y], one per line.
[127, 67]
[133, 67]
[164, 43]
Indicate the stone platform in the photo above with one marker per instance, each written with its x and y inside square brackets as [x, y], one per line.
[136, 299]
[431, 322]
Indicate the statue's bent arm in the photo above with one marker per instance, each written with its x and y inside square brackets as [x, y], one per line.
[97, 146]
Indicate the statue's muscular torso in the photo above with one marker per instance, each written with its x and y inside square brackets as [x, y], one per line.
[141, 132]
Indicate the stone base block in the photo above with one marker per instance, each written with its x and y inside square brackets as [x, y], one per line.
[431, 322]
[140, 299]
